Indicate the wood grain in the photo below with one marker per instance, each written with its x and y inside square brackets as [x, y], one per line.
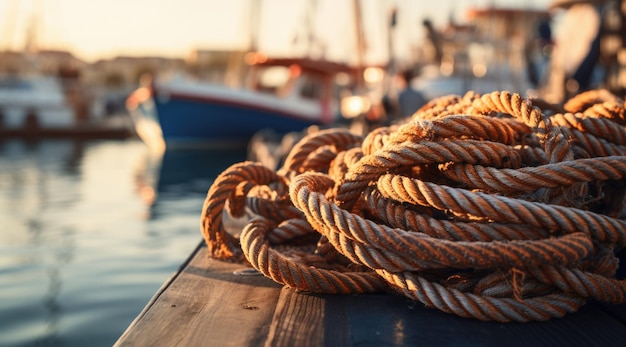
[298, 320]
[206, 304]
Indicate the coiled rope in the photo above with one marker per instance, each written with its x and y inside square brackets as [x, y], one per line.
[487, 207]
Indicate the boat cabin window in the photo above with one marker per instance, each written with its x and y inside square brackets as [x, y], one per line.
[285, 81]
[312, 87]
[273, 79]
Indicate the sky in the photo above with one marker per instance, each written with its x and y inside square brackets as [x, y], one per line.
[101, 29]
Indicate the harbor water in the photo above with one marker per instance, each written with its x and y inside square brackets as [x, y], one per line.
[89, 231]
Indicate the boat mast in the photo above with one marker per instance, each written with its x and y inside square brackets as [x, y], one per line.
[255, 12]
[10, 25]
[391, 63]
[360, 46]
[360, 34]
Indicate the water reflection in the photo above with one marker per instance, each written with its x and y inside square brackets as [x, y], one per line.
[35, 178]
[81, 249]
[165, 177]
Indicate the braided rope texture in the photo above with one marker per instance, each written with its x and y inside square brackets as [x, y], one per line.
[493, 207]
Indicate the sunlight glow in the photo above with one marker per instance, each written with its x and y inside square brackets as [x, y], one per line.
[98, 29]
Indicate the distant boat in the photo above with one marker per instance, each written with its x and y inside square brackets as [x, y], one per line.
[37, 106]
[282, 94]
[33, 103]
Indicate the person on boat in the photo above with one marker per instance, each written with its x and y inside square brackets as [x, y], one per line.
[537, 53]
[574, 66]
[432, 44]
[409, 99]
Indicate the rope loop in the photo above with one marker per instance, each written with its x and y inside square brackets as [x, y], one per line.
[493, 207]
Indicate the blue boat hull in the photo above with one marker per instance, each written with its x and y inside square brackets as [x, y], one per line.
[192, 121]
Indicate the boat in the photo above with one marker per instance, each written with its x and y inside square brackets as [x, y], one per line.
[32, 103]
[282, 94]
[38, 106]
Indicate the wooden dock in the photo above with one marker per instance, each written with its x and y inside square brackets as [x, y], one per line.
[81, 133]
[114, 128]
[211, 303]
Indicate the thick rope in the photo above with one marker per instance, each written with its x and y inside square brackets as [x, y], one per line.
[482, 206]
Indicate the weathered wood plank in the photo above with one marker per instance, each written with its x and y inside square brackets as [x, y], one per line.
[207, 305]
[337, 329]
[619, 311]
[387, 320]
[298, 320]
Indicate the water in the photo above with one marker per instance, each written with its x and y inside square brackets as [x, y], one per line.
[89, 231]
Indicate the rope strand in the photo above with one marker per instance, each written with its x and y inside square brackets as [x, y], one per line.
[486, 207]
